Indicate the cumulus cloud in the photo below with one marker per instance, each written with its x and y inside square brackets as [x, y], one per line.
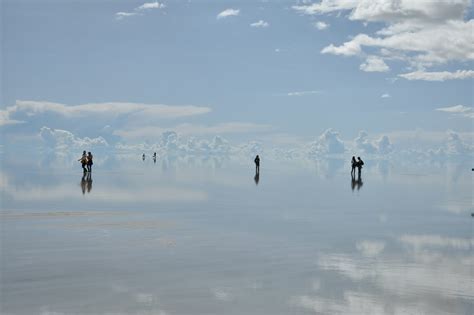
[92, 117]
[385, 95]
[63, 140]
[374, 64]
[456, 146]
[421, 33]
[228, 12]
[459, 110]
[328, 143]
[438, 76]
[260, 23]
[382, 146]
[321, 25]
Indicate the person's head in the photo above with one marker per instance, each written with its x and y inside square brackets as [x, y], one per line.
[84, 152]
[353, 158]
[89, 153]
[358, 157]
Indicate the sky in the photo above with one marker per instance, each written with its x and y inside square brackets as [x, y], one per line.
[329, 76]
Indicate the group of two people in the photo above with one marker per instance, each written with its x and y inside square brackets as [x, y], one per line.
[356, 163]
[86, 161]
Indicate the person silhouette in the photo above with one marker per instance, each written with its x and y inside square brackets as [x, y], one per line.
[154, 157]
[360, 163]
[83, 161]
[257, 164]
[143, 157]
[89, 162]
[353, 165]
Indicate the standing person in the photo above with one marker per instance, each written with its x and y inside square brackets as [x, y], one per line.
[257, 164]
[143, 157]
[83, 161]
[360, 163]
[89, 161]
[353, 164]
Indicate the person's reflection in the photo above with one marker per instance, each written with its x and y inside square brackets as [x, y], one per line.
[86, 183]
[89, 182]
[257, 178]
[83, 183]
[356, 183]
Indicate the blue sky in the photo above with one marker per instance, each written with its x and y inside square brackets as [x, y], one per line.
[303, 67]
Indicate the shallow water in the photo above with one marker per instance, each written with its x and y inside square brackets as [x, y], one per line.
[200, 237]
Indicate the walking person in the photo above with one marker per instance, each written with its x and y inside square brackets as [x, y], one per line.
[89, 162]
[257, 164]
[83, 161]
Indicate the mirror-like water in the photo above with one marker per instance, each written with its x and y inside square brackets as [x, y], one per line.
[202, 237]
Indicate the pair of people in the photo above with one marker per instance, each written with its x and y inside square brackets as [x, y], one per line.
[356, 163]
[86, 161]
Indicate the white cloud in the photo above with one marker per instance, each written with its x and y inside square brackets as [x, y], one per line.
[382, 146]
[302, 93]
[421, 33]
[374, 64]
[438, 76]
[328, 143]
[228, 12]
[321, 25]
[63, 140]
[325, 6]
[151, 5]
[460, 110]
[385, 95]
[6, 120]
[122, 15]
[137, 11]
[260, 23]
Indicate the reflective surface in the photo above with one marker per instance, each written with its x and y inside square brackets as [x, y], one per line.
[211, 237]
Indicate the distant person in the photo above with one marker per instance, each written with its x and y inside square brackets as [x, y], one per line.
[257, 164]
[83, 161]
[154, 157]
[353, 165]
[89, 162]
[360, 163]
[143, 157]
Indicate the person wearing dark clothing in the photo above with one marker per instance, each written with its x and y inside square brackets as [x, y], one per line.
[353, 165]
[360, 163]
[89, 161]
[257, 164]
